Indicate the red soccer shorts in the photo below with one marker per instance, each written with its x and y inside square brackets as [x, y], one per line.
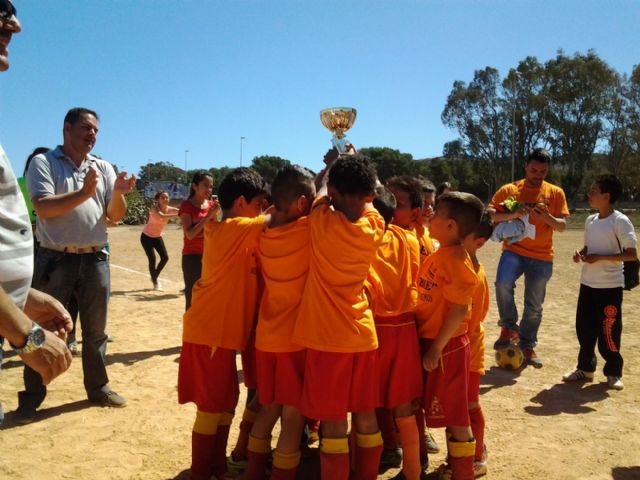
[446, 387]
[474, 387]
[280, 377]
[211, 382]
[338, 383]
[399, 361]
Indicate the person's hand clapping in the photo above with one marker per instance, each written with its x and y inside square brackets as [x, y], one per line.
[123, 184]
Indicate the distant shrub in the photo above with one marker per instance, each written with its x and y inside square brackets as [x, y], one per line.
[137, 208]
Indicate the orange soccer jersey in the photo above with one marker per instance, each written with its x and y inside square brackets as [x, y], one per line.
[284, 260]
[334, 315]
[224, 302]
[540, 248]
[424, 239]
[393, 273]
[447, 277]
[479, 309]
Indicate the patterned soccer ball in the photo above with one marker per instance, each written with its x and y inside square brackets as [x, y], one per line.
[510, 357]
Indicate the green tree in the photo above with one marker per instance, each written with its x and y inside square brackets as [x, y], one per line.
[268, 166]
[161, 171]
[388, 162]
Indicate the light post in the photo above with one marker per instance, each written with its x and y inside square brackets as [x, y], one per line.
[186, 173]
[241, 140]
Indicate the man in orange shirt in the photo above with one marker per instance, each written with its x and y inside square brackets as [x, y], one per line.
[335, 321]
[547, 208]
[446, 284]
[284, 260]
[221, 319]
[392, 284]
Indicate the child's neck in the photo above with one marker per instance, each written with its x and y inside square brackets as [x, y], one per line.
[232, 213]
[451, 242]
[474, 260]
[605, 211]
[353, 213]
[278, 219]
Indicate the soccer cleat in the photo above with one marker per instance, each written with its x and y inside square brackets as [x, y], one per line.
[507, 337]
[578, 376]
[615, 382]
[390, 458]
[479, 468]
[531, 358]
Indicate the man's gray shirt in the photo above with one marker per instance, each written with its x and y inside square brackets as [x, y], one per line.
[53, 173]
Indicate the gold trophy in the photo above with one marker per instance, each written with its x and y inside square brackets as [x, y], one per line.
[338, 120]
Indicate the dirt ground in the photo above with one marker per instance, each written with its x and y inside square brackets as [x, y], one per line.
[537, 426]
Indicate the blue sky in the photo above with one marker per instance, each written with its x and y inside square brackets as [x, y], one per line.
[169, 76]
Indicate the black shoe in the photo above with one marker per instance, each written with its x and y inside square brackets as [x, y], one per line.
[390, 458]
[107, 398]
[24, 415]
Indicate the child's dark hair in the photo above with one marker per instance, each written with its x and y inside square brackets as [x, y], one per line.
[442, 187]
[465, 208]
[539, 155]
[385, 203]
[427, 185]
[610, 184]
[196, 179]
[484, 228]
[36, 151]
[410, 186]
[353, 175]
[291, 182]
[158, 194]
[240, 182]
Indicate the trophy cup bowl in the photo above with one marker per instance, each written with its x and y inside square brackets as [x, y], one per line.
[338, 120]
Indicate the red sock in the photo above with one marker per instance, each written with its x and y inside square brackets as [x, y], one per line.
[411, 467]
[219, 456]
[334, 459]
[461, 455]
[201, 460]
[367, 458]
[258, 452]
[477, 427]
[422, 438]
[240, 450]
[387, 428]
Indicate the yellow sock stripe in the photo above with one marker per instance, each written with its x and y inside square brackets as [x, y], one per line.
[370, 440]
[249, 415]
[286, 461]
[227, 418]
[334, 445]
[206, 423]
[259, 445]
[461, 449]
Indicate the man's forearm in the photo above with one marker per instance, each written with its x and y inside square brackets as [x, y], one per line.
[117, 207]
[14, 324]
[557, 224]
[53, 206]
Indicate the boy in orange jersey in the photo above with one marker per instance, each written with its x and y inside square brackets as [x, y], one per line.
[446, 284]
[428, 199]
[335, 321]
[394, 295]
[284, 259]
[221, 319]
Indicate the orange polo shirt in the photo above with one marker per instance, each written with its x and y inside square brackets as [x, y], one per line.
[284, 259]
[447, 277]
[540, 248]
[479, 309]
[335, 315]
[426, 243]
[224, 299]
[393, 273]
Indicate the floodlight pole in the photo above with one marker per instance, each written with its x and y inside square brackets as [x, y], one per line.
[241, 141]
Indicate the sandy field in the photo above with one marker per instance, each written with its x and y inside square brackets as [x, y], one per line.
[537, 426]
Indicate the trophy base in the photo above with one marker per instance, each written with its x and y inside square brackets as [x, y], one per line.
[340, 144]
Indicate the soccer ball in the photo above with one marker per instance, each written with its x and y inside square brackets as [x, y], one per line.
[510, 357]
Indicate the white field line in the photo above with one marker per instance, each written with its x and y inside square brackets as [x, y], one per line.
[144, 274]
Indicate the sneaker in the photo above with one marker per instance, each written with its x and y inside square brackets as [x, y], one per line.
[444, 472]
[531, 358]
[237, 465]
[615, 382]
[107, 398]
[110, 339]
[157, 287]
[479, 468]
[74, 349]
[578, 376]
[390, 458]
[507, 337]
[432, 445]
[24, 415]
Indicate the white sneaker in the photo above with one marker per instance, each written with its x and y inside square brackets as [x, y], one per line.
[615, 383]
[157, 287]
[479, 468]
[578, 376]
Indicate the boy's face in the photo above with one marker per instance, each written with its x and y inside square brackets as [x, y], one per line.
[442, 227]
[428, 199]
[250, 209]
[404, 216]
[597, 199]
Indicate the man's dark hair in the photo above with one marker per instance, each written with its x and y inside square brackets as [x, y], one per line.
[465, 208]
[353, 175]
[290, 183]
[484, 228]
[410, 186]
[7, 10]
[385, 203]
[539, 155]
[75, 114]
[240, 182]
[610, 184]
[426, 184]
[196, 179]
[36, 151]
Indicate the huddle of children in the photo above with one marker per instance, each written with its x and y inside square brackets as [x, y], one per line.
[339, 304]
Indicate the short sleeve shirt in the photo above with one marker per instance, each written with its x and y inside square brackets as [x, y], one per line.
[53, 173]
[194, 246]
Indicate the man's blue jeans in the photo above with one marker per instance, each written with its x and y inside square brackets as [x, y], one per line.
[87, 276]
[536, 275]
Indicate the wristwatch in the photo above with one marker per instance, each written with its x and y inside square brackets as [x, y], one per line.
[34, 341]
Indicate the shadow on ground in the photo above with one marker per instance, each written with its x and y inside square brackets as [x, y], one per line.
[572, 398]
[497, 377]
[46, 413]
[625, 473]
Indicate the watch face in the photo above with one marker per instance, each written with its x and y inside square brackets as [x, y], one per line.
[38, 337]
